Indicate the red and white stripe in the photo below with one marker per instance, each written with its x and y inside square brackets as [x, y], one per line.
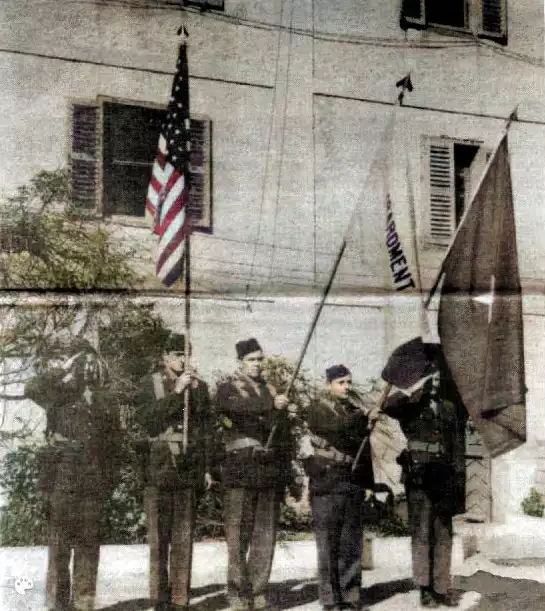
[173, 226]
[156, 184]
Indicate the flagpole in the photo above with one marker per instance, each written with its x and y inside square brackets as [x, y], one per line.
[187, 359]
[187, 263]
[512, 117]
[405, 84]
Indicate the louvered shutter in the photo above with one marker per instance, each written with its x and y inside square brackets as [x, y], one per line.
[199, 187]
[494, 20]
[84, 157]
[413, 14]
[441, 212]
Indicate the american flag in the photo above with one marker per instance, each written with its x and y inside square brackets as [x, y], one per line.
[167, 192]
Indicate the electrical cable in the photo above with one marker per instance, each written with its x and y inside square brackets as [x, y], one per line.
[282, 147]
[469, 40]
[267, 157]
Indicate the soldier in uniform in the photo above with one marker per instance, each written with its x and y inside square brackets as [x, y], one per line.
[254, 477]
[337, 423]
[433, 422]
[174, 480]
[77, 474]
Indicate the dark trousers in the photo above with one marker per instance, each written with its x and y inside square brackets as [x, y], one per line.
[431, 531]
[171, 523]
[251, 518]
[74, 522]
[338, 526]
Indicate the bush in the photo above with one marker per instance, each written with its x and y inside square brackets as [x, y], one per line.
[533, 504]
[22, 520]
[293, 524]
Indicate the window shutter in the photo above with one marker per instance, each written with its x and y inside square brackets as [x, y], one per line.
[84, 157]
[413, 14]
[441, 214]
[199, 203]
[494, 20]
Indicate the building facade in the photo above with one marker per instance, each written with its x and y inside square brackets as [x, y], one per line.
[290, 103]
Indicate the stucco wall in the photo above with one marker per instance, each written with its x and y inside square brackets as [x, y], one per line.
[276, 181]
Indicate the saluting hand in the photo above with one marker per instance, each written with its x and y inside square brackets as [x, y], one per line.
[281, 402]
[208, 481]
[183, 381]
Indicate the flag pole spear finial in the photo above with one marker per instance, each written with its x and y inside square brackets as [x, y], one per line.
[406, 85]
[512, 117]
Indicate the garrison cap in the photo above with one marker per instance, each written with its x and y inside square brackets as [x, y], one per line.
[336, 371]
[175, 343]
[247, 346]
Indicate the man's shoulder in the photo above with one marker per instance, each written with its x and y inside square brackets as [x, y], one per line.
[325, 398]
[323, 402]
[234, 381]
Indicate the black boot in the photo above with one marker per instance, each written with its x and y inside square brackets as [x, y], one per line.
[427, 598]
[448, 599]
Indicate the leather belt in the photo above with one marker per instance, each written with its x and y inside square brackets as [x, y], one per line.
[335, 455]
[173, 439]
[170, 437]
[242, 443]
[422, 446]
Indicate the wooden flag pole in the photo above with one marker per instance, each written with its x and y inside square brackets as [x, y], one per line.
[383, 396]
[405, 84]
[187, 263]
[310, 333]
[187, 359]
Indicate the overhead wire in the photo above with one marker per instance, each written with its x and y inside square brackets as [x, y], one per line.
[314, 202]
[293, 270]
[282, 148]
[267, 156]
[466, 39]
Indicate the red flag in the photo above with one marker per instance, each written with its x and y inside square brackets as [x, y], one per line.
[480, 312]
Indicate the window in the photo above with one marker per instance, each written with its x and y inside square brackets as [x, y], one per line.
[113, 147]
[454, 169]
[486, 18]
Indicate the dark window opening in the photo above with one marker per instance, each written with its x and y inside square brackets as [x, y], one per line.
[131, 135]
[464, 155]
[452, 13]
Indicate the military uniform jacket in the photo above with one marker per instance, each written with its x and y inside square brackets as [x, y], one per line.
[343, 426]
[160, 413]
[434, 426]
[246, 409]
[83, 435]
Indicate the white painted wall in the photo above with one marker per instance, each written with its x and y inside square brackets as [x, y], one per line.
[259, 84]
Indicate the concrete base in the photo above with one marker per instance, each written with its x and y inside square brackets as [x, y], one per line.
[517, 537]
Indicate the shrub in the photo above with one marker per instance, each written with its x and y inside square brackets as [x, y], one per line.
[533, 504]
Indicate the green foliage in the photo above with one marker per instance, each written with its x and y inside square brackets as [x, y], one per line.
[388, 526]
[533, 504]
[22, 520]
[124, 516]
[46, 247]
[293, 523]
